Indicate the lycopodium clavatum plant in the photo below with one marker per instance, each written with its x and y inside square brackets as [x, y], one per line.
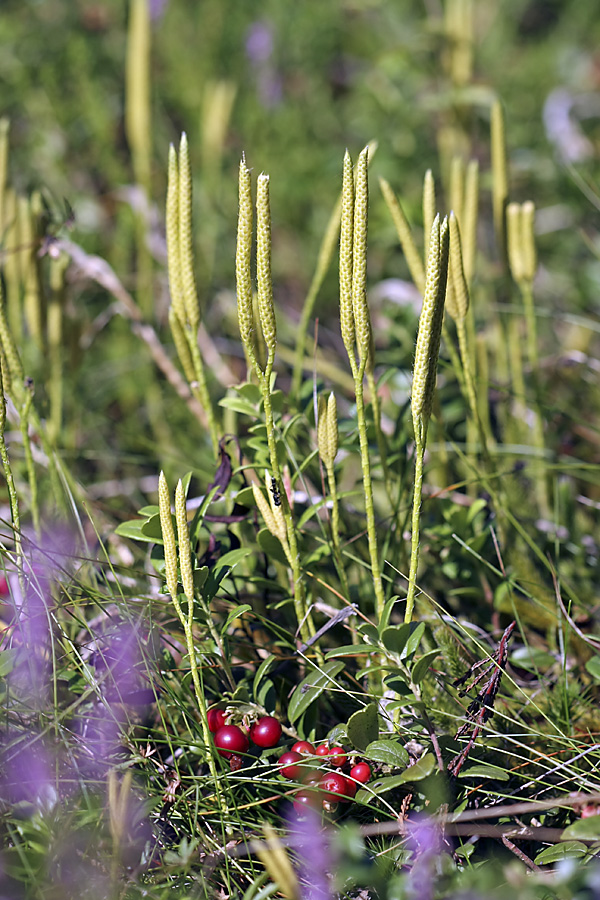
[424, 379]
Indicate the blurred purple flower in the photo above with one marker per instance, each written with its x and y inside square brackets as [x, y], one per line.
[259, 42]
[424, 839]
[122, 665]
[311, 844]
[157, 9]
[28, 773]
[259, 50]
[32, 613]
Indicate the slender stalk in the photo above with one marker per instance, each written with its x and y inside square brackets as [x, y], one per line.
[31, 474]
[304, 617]
[170, 549]
[268, 326]
[355, 324]
[12, 491]
[358, 372]
[424, 379]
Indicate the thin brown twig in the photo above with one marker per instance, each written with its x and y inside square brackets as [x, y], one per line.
[98, 270]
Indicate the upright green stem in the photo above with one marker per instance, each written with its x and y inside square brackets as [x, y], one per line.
[305, 621]
[335, 528]
[424, 379]
[358, 372]
[12, 491]
[31, 475]
[171, 577]
[201, 389]
[420, 441]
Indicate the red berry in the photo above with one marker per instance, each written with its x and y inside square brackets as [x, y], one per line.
[304, 747]
[335, 785]
[266, 732]
[312, 776]
[350, 791]
[287, 766]
[307, 799]
[229, 740]
[338, 757]
[361, 772]
[216, 719]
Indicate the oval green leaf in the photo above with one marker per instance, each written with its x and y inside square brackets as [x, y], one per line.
[586, 829]
[311, 688]
[486, 771]
[421, 666]
[392, 753]
[421, 769]
[363, 727]
[568, 850]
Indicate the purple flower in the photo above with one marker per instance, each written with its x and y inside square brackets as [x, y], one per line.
[311, 843]
[259, 42]
[424, 839]
[28, 773]
[157, 9]
[259, 50]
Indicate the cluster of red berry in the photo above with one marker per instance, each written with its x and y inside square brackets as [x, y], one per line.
[231, 742]
[322, 788]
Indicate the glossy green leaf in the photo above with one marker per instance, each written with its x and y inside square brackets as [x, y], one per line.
[390, 752]
[249, 391]
[233, 557]
[369, 633]
[147, 511]
[388, 609]
[403, 640]
[363, 727]
[271, 546]
[421, 666]
[379, 786]
[414, 640]
[583, 828]
[235, 614]
[348, 650]
[421, 769]
[566, 850]
[239, 405]
[593, 667]
[265, 666]
[152, 531]
[485, 771]
[312, 687]
[394, 638]
[133, 531]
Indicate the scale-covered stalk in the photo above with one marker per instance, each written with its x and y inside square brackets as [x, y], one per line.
[424, 379]
[355, 326]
